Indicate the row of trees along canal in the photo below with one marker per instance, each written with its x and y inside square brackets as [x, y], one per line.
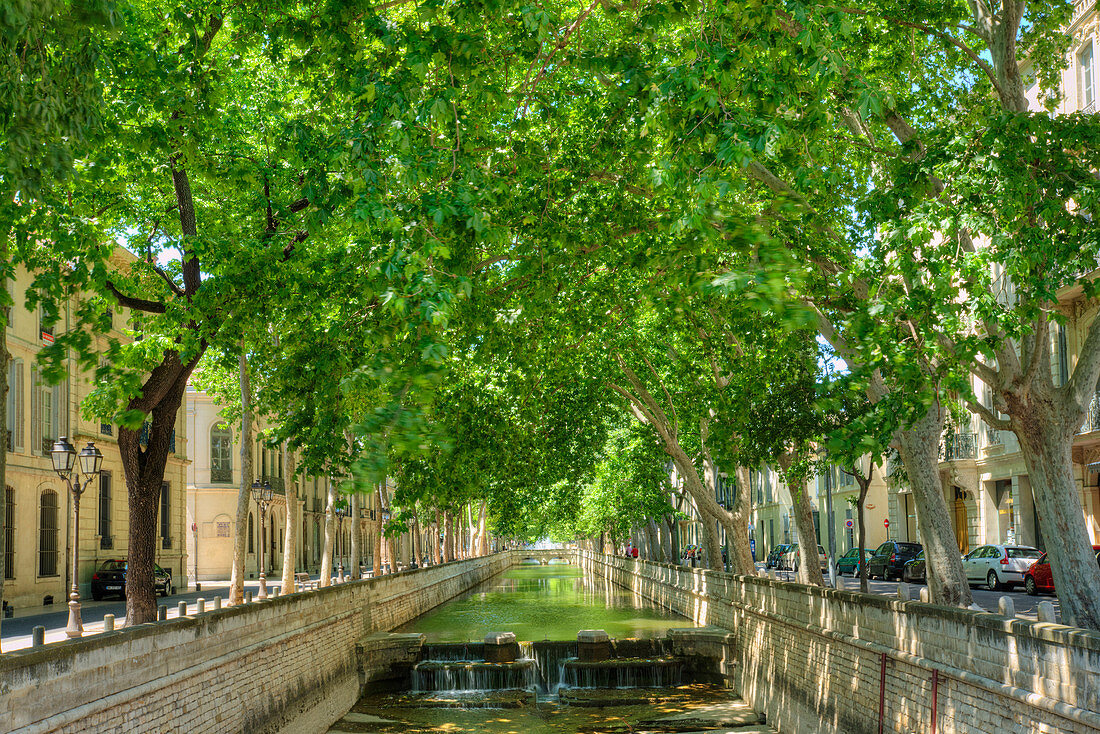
[526, 255]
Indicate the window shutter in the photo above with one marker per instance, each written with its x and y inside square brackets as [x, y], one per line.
[36, 429]
[17, 385]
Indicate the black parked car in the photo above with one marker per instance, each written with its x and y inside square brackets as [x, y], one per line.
[914, 569]
[776, 554]
[110, 580]
[890, 558]
[849, 562]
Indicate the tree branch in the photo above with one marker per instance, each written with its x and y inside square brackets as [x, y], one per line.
[136, 304]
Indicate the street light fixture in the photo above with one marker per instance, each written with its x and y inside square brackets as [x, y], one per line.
[264, 496]
[342, 510]
[64, 458]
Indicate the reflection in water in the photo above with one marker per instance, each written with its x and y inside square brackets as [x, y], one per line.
[544, 603]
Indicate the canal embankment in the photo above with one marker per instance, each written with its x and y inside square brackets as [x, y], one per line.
[829, 660]
[285, 664]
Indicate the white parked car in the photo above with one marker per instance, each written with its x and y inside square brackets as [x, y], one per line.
[792, 559]
[999, 566]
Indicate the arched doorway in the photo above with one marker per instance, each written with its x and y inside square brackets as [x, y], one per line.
[962, 520]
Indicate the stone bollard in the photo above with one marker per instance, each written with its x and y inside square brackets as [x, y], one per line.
[274, 592]
[217, 603]
[108, 623]
[593, 646]
[248, 597]
[1046, 612]
[903, 591]
[162, 613]
[501, 647]
[924, 594]
[200, 605]
[38, 636]
[1006, 607]
[182, 609]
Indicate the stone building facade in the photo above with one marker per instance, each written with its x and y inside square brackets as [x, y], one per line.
[37, 506]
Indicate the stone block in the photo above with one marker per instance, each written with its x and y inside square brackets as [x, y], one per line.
[593, 646]
[501, 647]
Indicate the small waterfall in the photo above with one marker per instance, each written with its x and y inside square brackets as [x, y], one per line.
[550, 660]
[624, 673]
[452, 651]
[443, 675]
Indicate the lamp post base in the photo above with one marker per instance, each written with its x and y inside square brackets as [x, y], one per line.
[75, 627]
[263, 587]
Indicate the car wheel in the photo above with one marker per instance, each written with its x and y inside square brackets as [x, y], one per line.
[1030, 587]
[906, 576]
[991, 582]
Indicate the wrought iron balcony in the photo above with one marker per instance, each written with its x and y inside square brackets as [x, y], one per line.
[957, 446]
[1089, 108]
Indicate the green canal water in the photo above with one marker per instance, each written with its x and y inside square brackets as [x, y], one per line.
[544, 603]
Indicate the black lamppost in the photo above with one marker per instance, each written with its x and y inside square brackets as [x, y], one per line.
[91, 460]
[342, 510]
[264, 495]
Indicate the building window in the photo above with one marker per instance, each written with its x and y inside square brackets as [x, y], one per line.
[165, 515]
[1087, 77]
[14, 427]
[221, 454]
[47, 412]
[47, 534]
[251, 535]
[105, 510]
[9, 533]
[45, 330]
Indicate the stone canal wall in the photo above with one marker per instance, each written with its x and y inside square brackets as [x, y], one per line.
[826, 660]
[285, 664]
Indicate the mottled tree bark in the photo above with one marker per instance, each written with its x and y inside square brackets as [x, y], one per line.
[330, 533]
[448, 537]
[377, 561]
[290, 540]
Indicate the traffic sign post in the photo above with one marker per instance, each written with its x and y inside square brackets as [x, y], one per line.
[886, 523]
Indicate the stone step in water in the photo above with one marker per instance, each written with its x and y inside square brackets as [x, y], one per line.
[730, 715]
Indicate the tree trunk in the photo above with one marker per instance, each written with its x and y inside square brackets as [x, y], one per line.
[657, 550]
[240, 539]
[356, 537]
[919, 448]
[1046, 447]
[864, 485]
[482, 531]
[448, 537]
[710, 539]
[377, 562]
[330, 533]
[391, 545]
[144, 471]
[809, 563]
[418, 551]
[437, 540]
[290, 540]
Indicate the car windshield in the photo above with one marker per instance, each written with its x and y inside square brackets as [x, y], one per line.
[1023, 552]
[114, 566]
[909, 548]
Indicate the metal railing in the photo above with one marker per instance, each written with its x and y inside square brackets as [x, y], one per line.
[957, 446]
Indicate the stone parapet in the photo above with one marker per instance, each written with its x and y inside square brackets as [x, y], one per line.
[285, 664]
[817, 659]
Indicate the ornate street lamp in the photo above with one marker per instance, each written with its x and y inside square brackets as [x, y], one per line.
[264, 495]
[64, 457]
[342, 510]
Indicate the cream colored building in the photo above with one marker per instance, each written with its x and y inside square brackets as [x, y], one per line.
[986, 485]
[213, 479]
[38, 510]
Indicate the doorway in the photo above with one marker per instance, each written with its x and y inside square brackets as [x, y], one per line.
[962, 521]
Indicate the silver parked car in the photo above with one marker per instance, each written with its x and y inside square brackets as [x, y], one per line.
[999, 566]
[791, 559]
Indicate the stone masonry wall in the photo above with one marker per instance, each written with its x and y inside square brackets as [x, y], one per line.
[817, 659]
[287, 663]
